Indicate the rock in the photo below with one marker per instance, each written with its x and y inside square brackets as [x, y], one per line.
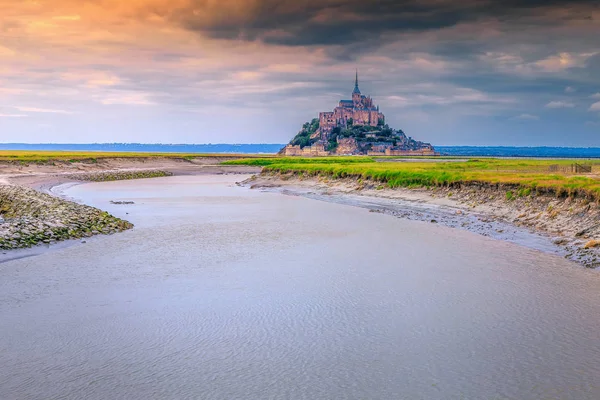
[585, 231]
[41, 218]
[560, 241]
[106, 176]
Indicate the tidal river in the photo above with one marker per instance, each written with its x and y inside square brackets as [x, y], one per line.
[222, 292]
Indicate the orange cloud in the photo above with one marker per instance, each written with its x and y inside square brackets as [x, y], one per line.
[42, 110]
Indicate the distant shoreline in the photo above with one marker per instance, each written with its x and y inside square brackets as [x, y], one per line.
[273, 148]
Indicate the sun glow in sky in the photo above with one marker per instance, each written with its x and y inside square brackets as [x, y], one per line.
[477, 72]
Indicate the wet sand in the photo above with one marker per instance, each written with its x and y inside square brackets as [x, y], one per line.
[557, 225]
[56, 224]
[224, 292]
[44, 177]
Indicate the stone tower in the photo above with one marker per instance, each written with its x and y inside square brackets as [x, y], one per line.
[356, 96]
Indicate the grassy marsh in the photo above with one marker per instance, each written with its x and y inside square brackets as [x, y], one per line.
[335, 160]
[521, 177]
[46, 157]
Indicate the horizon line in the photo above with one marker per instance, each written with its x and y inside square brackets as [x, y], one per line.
[259, 144]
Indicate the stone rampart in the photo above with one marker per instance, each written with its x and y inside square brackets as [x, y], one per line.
[347, 146]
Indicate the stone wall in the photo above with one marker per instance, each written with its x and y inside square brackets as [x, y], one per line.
[366, 117]
[291, 150]
[326, 122]
[317, 149]
[420, 152]
[346, 146]
[381, 146]
[341, 115]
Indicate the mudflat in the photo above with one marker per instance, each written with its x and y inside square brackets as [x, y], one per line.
[220, 291]
[32, 218]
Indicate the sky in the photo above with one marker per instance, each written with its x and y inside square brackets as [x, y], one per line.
[449, 72]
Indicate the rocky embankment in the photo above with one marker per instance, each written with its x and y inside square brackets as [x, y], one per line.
[28, 218]
[572, 224]
[31, 215]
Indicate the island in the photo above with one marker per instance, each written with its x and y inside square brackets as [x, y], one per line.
[354, 127]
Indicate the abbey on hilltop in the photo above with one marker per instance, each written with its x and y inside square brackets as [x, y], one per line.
[358, 111]
[353, 127]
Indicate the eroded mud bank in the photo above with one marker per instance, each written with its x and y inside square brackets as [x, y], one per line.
[566, 226]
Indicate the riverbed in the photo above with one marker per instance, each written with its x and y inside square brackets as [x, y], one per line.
[222, 292]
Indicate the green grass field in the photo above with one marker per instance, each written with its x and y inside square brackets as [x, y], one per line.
[42, 157]
[530, 175]
[262, 162]
[525, 175]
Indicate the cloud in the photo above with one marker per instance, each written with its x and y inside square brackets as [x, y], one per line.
[563, 61]
[474, 62]
[91, 79]
[445, 95]
[595, 106]
[528, 117]
[13, 115]
[560, 104]
[337, 22]
[570, 89]
[12, 91]
[595, 96]
[42, 110]
[124, 98]
[557, 62]
[67, 18]
[247, 75]
[6, 52]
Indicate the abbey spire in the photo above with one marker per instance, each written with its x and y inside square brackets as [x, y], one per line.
[356, 89]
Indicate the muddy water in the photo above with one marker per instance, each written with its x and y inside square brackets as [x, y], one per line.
[221, 292]
[447, 216]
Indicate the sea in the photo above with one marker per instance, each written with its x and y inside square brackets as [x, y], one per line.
[271, 148]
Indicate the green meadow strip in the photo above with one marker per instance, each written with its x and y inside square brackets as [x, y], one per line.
[532, 176]
[261, 162]
[44, 157]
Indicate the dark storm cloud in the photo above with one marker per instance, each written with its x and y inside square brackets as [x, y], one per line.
[331, 22]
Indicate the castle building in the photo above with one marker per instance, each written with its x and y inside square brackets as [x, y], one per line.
[358, 111]
[353, 127]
